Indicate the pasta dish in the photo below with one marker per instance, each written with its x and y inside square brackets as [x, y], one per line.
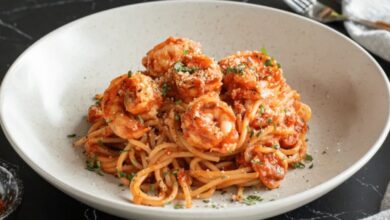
[187, 126]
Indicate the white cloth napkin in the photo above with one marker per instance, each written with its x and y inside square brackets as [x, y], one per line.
[385, 208]
[376, 41]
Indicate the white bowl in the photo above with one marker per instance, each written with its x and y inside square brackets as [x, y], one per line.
[46, 93]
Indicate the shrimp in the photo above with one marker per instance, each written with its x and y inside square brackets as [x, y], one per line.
[196, 75]
[250, 75]
[209, 124]
[271, 166]
[159, 59]
[128, 101]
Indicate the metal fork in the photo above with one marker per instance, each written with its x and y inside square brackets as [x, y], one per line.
[325, 14]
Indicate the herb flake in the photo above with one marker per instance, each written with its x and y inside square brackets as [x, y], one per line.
[308, 158]
[298, 165]
[252, 199]
[239, 69]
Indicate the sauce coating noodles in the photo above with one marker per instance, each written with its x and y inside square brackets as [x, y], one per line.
[188, 126]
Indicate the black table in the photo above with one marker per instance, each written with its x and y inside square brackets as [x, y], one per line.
[22, 22]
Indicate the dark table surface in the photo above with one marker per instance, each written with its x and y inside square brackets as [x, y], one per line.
[22, 22]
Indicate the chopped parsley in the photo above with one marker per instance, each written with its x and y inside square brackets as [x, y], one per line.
[178, 206]
[268, 62]
[185, 52]
[177, 117]
[100, 142]
[93, 165]
[239, 69]
[279, 66]
[269, 120]
[180, 67]
[174, 172]
[298, 165]
[131, 176]
[121, 174]
[71, 135]
[206, 201]
[165, 174]
[164, 89]
[276, 146]
[264, 51]
[178, 102]
[250, 131]
[262, 109]
[258, 133]
[252, 199]
[308, 158]
[311, 166]
[129, 73]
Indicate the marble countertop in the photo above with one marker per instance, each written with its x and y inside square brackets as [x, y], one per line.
[22, 22]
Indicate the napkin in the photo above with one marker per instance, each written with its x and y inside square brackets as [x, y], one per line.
[385, 208]
[375, 40]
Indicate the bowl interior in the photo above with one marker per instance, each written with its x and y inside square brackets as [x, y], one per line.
[46, 94]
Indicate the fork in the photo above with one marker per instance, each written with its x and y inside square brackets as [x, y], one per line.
[325, 14]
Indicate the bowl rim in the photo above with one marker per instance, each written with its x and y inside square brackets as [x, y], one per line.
[289, 202]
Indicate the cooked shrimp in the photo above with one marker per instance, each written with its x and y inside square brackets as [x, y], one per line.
[250, 74]
[196, 75]
[209, 124]
[159, 59]
[271, 166]
[127, 102]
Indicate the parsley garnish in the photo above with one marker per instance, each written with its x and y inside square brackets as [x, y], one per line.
[178, 206]
[177, 117]
[268, 63]
[180, 67]
[250, 131]
[94, 165]
[164, 89]
[276, 146]
[131, 176]
[298, 165]
[206, 201]
[71, 135]
[174, 172]
[121, 174]
[279, 66]
[269, 120]
[308, 158]
[239, 69]
[178, 102]
[264, 51]
[185, 52]
[262, 109]
[252, 199]
[129, 73]
[311, 166]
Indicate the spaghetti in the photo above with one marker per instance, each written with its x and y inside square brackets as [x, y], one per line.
[188, 126]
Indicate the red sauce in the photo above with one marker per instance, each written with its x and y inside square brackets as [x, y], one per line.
[270, 168]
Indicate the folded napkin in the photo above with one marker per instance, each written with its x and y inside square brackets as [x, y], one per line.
[374, 40]
[385, 208]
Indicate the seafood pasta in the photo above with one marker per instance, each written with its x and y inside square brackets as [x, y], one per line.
[188, 125]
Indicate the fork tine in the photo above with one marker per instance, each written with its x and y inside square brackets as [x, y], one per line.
[300, 6]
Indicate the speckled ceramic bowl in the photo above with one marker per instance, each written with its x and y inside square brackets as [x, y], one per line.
[46, 93]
